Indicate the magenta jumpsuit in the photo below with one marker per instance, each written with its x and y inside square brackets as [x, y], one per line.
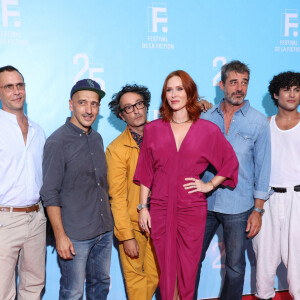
[178, 218]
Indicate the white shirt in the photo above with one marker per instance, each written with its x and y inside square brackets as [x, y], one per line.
[285, 158]
[20, 164]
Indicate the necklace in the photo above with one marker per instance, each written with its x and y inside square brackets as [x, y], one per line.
[180, 122]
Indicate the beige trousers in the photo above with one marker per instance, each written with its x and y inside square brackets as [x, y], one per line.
[23, 238]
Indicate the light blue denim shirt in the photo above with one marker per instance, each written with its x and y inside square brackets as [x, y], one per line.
[249, 135]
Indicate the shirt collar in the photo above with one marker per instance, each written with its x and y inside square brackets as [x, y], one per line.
[70, 125]
[12, 118]
[243, 109]
[137, 137]
[8, 116]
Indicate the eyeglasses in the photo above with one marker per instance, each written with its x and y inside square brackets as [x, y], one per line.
[11, 87]
[129, 109]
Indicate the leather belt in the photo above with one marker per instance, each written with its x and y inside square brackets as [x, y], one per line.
[26, 209]
[283, 190]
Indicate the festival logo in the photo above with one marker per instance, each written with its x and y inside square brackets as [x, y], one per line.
[289, 23]
[158, 17]
[157, 38]
[289, 32]
[10, 12]
[10, 23]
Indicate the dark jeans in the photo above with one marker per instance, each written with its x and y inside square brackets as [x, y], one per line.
[235, 238]
[91, 262]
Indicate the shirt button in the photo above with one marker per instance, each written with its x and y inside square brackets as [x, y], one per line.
[80, 134]
[95, 169]
[92, 153]
[233, 120]
[101, 199]
[98, 183]
[101, 215]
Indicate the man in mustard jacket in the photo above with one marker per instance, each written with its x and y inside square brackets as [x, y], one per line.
[137, 253]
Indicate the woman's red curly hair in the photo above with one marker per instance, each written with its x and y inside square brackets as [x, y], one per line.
[190, 87]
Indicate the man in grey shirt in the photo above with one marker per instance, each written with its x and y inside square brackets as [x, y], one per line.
[75, 193]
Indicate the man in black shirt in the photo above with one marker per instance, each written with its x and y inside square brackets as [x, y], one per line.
[75, 193]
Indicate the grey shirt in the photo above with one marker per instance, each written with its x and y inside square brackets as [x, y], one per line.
[75, 178]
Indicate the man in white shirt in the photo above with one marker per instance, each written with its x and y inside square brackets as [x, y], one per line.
[22, 220]
[279, 237]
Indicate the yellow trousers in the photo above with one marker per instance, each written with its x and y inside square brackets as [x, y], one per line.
[141, 273]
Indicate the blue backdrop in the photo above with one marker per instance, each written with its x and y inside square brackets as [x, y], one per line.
[55, 43]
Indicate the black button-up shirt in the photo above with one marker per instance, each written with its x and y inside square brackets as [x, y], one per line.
[75, 178]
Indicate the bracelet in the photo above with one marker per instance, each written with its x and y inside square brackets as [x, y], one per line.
[213, 184]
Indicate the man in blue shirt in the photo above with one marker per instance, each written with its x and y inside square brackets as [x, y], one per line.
[239, 211]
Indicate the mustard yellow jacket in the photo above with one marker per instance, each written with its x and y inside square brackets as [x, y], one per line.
[122, 156]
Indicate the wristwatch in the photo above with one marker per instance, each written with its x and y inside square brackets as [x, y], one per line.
[261, 211]
[141, 206]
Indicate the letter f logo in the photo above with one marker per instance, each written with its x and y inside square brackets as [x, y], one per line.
[290, 21]
[158, 14]
[10, 13]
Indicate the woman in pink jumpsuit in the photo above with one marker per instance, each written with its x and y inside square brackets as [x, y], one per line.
[176, 150]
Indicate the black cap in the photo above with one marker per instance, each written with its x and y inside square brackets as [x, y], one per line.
[88, 85]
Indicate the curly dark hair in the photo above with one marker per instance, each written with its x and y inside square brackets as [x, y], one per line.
[143, 91]
[283, 80]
